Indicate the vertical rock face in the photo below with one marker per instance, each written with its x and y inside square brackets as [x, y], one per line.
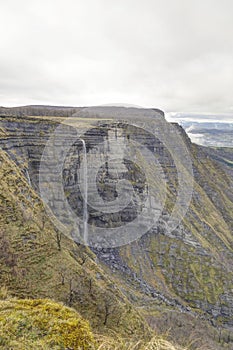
[117, 185]
[188, 267]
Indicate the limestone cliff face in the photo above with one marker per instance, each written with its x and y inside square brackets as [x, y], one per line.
[188, 269]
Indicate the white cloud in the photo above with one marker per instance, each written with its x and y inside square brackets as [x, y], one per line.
[173, 54]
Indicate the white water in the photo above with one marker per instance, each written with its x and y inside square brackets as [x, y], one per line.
[85, 188]
[28, 177]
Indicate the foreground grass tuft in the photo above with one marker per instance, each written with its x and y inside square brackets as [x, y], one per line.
[42, 324]
[157, 343]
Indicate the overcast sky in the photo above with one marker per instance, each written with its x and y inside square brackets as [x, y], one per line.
[175, 55]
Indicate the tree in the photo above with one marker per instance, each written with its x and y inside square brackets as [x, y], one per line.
[110, 306]
[58, 238]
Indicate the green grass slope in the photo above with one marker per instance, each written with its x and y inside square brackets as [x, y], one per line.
[42, 324]
[34, 265]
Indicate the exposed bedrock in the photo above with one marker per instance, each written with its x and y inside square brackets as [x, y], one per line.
[189, 268]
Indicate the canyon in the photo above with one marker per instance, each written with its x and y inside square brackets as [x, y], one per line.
[125, 270]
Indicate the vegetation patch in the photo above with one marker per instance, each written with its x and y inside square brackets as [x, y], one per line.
[42, 324]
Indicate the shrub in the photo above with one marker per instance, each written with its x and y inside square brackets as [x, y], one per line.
[42, 324]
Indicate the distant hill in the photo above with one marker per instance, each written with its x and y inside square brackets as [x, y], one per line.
[210, 134]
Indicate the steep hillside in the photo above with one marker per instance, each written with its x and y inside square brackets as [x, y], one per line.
[37, 261]
[179, 281]
[46, 325]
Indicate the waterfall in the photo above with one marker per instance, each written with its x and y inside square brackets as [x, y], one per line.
[85, 189]
[28, 177]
